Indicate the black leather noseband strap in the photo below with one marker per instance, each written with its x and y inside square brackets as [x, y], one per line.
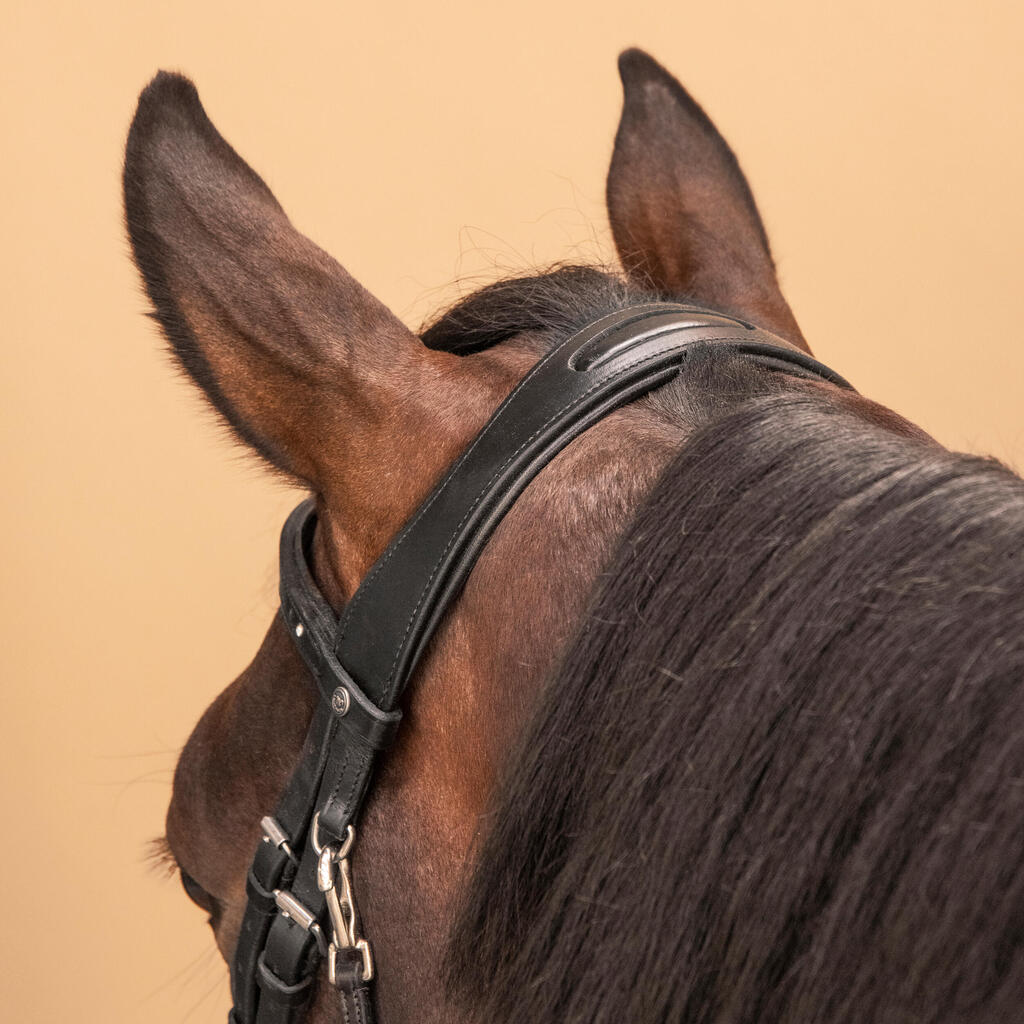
[298, 893]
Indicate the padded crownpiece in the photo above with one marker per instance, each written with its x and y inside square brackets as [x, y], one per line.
[389, 620]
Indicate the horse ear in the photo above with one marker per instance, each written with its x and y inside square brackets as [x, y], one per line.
[274, 331]
[682, 214]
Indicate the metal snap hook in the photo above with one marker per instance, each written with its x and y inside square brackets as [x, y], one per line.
[334, 880]
[344, 847]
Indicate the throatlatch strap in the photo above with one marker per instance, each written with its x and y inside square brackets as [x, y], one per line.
[362, 664]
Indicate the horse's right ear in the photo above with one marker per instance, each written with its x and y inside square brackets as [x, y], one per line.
[281, 339]
[681, 211]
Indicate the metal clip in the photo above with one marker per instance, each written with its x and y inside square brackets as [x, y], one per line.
[291, 908]
[276, 836]
[334, 873]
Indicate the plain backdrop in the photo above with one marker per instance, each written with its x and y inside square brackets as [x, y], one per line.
[422, 145]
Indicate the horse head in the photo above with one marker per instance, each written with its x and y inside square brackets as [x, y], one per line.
[335, 393]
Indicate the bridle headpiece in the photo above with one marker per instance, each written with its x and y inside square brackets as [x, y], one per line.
[301, 907]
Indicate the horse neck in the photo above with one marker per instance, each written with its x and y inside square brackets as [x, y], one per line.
[475, 688]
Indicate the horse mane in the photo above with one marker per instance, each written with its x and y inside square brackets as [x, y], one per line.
[779, 775]
[547, 305]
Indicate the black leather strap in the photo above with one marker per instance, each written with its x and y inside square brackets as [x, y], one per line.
[362, 664]
[602, 367]
[356, 1006]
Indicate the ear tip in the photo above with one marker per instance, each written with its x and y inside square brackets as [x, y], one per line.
[645, 81]
[168, 98]
[168, 89]
[168, 105]
[636, 64]
[168, 83]
[173, 146]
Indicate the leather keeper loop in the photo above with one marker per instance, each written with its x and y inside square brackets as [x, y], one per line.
[269, 866]
[362, 720]
[375, 731]
[262, 899]
[273, 987]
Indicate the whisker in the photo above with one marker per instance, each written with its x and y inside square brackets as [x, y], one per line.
[184, 975]
[218, 983]
[163, 752]
[158, 774]
[163, 777]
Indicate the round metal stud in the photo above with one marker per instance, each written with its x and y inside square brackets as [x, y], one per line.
[300, 629]
[340, 701]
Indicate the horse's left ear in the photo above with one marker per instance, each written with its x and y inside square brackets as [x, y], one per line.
[681, 211]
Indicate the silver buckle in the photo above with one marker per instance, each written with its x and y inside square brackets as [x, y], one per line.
[334, 873]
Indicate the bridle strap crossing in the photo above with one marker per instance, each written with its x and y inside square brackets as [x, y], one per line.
[301, 904]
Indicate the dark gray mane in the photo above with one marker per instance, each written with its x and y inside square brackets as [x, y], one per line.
[779, 776]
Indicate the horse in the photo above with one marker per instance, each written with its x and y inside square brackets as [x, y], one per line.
[727, 722]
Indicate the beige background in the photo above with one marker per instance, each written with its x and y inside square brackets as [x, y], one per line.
[418, 143]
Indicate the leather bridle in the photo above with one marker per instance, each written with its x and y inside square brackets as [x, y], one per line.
[301, 908]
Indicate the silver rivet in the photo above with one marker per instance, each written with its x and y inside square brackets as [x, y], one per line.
[300, 629]
[340, 702]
